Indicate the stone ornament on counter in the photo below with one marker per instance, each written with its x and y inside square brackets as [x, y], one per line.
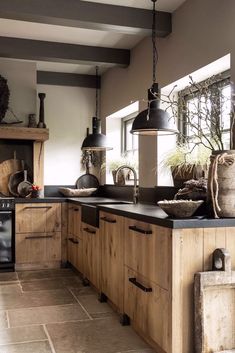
[180, 208]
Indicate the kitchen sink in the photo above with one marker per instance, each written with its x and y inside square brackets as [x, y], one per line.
[90, 212]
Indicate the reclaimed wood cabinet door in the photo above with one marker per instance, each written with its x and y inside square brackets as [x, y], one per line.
[148, 305]
[74, 220]
[112, 259]
[38, 248]
[75, 255]
[38, 218]
[147, 250]
[91, 254]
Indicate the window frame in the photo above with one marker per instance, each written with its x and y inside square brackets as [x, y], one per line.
[221, 80]
[126, 119]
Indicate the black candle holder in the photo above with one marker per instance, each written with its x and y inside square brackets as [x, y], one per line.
[41, 123]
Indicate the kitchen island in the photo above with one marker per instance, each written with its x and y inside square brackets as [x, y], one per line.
[137, 258]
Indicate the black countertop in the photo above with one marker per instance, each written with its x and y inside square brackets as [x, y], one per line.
[155, 215]
[143, 212]
[75, 200]
[40, 200]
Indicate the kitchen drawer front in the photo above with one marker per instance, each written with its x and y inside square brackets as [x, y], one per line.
[148, 250]
[38, 247]
[74, 220]
[148, 307]
[91, 254]
[75, 255]
[38, 218]
[112, 257]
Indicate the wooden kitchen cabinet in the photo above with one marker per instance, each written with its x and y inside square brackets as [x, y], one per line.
[74, 220]
[38, 235]
[74, 238]
[147, 250]
[91, 254]
[38, 248]
[75, 249]
[112, 258]
[148, 306]
[38, 217]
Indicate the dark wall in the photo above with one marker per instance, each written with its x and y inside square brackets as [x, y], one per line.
[23, 149]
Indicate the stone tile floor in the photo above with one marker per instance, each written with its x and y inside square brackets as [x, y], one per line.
[51, 312]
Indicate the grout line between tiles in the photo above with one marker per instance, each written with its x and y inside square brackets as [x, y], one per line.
[40, 306]
[90, 317]
[51, 323]
[22, 342]
[7, 317]
[49, 339]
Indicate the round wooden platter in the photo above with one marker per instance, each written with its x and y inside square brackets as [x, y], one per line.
[7, 168]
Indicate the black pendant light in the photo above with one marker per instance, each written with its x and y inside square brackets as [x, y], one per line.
[96, 141]
[153, 120]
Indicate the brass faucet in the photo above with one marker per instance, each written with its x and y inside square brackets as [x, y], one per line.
[135, 191]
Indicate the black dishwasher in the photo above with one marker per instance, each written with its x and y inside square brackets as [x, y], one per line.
[7, 234]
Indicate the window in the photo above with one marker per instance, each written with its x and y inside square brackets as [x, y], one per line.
[130, 141]
[214, 103]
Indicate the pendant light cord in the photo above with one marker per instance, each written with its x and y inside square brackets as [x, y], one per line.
[154, 35]
[96, 92]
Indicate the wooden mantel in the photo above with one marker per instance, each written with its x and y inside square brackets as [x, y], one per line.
[23, 133]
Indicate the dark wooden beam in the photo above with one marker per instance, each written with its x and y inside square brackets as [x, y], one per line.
[60, 52]
[84, 14]
[67, 79]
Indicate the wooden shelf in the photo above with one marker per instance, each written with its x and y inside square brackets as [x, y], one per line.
[23, 133]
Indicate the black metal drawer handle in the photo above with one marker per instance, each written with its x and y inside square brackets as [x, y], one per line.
[37, 207]
[139, 230]
[108, 220]
[76, 209]
[73, 241]
[89, 230]
[39, 237]
[139, 285]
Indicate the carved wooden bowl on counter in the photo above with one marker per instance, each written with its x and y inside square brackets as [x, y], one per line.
[180, 208]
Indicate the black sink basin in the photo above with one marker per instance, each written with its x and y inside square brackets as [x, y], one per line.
[90, 212]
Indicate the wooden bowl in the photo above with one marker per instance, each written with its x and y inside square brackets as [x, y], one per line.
[180, 208]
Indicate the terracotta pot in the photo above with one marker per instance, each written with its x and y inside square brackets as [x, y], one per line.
[122, 176]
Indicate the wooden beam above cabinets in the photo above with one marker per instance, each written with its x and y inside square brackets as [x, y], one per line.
[85, 14]
[28, 49]
[67, 79]
[23, 133]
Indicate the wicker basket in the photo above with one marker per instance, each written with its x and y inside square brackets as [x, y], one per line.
[180, 208]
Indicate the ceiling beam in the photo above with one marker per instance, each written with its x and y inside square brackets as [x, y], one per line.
[28, 49]
[84, 14]
[67, 79]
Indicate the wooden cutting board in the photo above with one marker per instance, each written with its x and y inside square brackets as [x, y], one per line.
[214, 294]
[7, 168]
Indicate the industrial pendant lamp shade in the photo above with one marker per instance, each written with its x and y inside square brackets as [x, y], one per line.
[153, 120]
[96, 141]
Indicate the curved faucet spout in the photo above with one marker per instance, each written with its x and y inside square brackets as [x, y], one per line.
[135, 190]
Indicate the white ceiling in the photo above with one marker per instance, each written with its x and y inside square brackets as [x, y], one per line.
[72, 35]
[161, 5]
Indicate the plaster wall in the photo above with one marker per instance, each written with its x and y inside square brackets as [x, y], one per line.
[68, 113]
[21, 78]
[203, 31]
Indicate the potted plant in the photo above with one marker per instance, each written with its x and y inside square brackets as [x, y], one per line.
[185, 165]
[208, 112]
[113, 165]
